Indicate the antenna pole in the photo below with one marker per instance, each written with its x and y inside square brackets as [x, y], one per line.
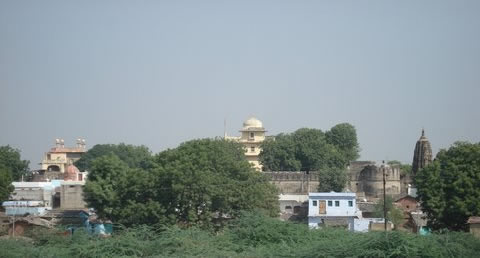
[225, 128]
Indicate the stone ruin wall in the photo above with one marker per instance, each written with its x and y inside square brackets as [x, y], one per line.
[294, 182]
[365, 179]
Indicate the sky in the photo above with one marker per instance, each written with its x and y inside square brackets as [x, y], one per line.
[158, 73]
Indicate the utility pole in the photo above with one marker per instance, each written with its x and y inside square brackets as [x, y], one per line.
[384, 199]
[14, 213]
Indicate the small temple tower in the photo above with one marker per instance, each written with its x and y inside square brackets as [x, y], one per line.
[422, 155]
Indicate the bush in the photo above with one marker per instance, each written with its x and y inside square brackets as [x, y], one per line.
[251, 235]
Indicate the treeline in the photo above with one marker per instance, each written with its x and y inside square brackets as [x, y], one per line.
[250, 235]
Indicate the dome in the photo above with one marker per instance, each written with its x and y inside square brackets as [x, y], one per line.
[71, 174]
[252, 122]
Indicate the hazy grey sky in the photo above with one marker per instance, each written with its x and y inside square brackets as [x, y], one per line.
[162, 72]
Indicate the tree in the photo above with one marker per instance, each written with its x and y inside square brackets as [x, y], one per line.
[331, 180]
[394, 214]
[310, 145]
[197, 183]
[6, 187]
[133, 156]
[344, 137]
[11, 161]
[203, 179]
[449, 188]
[278, 154]
[120, 193]
[405, 169]
[309, 149]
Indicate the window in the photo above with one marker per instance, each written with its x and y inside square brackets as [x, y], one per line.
[288, 208]
[350, 203]
[337, 203]
[252, 149]
[314, 203]
[252, 135]
[330, 204]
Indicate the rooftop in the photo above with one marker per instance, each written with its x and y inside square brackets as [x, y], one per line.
[67, 150]
[332, 194]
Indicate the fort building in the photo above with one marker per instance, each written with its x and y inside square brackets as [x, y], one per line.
[252, 136]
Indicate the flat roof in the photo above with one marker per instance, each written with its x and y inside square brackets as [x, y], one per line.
[73, 182]
[32, 184]
[293, 197]
[332, 194]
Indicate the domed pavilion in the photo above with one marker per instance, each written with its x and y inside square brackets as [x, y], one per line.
[252, 136]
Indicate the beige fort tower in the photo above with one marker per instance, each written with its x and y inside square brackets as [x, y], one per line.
[253, 134]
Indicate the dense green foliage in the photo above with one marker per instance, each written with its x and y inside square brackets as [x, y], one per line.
[311, 149]
[449, 188]
[250, 236]
[199, 183]
[133, 156]
[333, 179]
[344, 137]
[6, 187]
[11, 161]
[12, 168]
[404, 168]
[394, 214]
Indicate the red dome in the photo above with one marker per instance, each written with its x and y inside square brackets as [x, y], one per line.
[71, 174]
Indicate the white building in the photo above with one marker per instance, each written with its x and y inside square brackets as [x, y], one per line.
[332, 209]
[30, 198]
[34, 191]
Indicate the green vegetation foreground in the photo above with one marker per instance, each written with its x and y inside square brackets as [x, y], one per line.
[251, 235]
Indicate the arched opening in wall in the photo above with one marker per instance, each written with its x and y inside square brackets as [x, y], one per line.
[296, 209]
[53, 168]
[288, 209]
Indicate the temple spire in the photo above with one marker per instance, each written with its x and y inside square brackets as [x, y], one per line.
[422, 155]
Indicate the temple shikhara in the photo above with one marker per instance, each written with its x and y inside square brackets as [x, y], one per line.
[422, 155]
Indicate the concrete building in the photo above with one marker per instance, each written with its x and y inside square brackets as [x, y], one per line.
[59, 157]
[71, 195]
[34, 191]
[30, 198]
[474, 226]
[71, 189]
[332, 209]
[293, 206]
[252, 136]
[22, 208]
